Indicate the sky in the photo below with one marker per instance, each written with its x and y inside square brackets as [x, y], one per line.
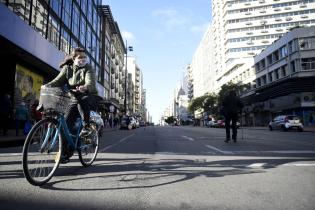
[165, 35]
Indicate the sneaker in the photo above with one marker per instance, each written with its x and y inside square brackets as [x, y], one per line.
[227, 140]
[85, 131]
[64, 159]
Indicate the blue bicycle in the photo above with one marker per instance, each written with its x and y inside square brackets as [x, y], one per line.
[44, 144]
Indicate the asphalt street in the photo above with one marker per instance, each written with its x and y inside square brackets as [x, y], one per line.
[175, 168]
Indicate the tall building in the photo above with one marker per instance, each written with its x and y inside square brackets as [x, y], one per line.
[137, 79]
[201, 65]
[36, 35]
[112, 58]
[243, 28]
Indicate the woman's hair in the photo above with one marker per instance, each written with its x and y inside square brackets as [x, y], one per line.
[69, 58]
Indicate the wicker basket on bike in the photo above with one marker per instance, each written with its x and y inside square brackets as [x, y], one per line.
[52, 98]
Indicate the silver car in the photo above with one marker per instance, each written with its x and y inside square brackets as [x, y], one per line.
[286, 122]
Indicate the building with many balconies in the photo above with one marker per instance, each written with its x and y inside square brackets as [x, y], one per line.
[243, 28]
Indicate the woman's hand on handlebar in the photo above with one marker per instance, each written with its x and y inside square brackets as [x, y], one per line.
[81, 89]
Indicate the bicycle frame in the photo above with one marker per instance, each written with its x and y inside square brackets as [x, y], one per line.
[71, 139]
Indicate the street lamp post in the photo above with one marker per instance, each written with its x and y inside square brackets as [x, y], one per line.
[128, 48]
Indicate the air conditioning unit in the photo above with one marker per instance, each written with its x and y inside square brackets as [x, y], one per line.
[263, 22]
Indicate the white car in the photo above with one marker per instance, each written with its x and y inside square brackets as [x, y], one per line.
[286, 122]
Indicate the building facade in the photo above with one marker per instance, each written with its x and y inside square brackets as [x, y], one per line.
[137, 80]
[243, 28]
[285, 82]
[36, 35]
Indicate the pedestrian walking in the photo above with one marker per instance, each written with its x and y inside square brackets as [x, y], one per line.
[232, 105]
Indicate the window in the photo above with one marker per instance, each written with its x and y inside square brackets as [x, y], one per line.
[275, 56]
[269, 59]
[53, 31]
[307, 64]
[83, 31]
[67, 12]
[39, 17]
[22, 9]
[292, 64]
[83, 6]
[264, 80]
[277, 74]
[283, 52]
[75, 20]
[307, 43]
[65, 42]
[284, 71]
[56, 7]
[270, 76]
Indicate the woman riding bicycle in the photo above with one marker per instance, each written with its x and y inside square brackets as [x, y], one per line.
[79, 76]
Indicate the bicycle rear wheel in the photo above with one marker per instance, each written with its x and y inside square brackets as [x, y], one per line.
[41, 153]
[89, 147]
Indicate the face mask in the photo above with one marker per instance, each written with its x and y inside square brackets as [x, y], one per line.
[80, 62]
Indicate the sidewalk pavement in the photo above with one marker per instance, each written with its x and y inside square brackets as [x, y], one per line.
[12, 140]
[306, 128]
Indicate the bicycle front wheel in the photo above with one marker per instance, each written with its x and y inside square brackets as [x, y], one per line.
[89, 147]
[41, 152]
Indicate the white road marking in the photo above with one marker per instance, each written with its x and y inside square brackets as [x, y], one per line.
[10, 154]
[188, 138]
[113, 145]
[221, 151]
[256, 165]
[300, 164]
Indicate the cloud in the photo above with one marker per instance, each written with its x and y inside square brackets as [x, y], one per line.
[199, 28]
[128, 35]
[171, 18]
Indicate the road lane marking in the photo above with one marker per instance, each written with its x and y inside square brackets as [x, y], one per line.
[188, 138]
[256, 165]
[217, 149]
[113, 145]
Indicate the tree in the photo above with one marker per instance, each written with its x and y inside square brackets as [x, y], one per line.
[207, 102]
[226, 88]
[196, 103]
[170, 120]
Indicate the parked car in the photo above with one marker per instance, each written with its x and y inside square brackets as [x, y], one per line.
[124, 123]
[221, 124]
[210, 124]
[286, 122]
